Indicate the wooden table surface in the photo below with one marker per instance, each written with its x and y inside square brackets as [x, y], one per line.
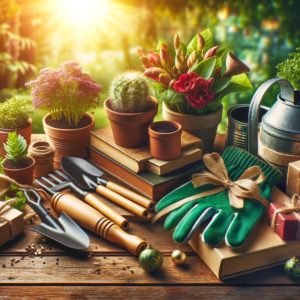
[107, 271]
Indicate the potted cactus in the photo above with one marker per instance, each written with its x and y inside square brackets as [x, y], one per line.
[67, 93]
[17, 165]
[14, 116]
[191, 81]
[130, 109]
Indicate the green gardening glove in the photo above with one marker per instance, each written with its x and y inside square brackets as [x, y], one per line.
[226, 222]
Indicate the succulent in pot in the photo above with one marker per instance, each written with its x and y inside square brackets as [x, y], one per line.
[67, 93]
[191, 81]
[130, 109]
[17, 165]
[165, 139]
[15, 116]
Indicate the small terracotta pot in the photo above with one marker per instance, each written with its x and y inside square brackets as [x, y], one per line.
[165, 140]
[130, 130]
[43, 154]
[21, 175]
[25, 132]
[68, 142]
[203, 125]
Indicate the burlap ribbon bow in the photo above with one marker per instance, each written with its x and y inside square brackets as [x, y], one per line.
[246, 187]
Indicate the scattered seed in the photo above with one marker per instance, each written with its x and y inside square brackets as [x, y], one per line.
[131, 271]
[3, 266]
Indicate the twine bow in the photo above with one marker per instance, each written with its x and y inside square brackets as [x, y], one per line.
[246, 187]
[295, 207]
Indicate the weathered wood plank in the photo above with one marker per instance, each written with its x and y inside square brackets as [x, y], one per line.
[146, 292]
[153, 234]
[117, 270]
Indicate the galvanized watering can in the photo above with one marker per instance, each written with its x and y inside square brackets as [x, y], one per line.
[278, 141]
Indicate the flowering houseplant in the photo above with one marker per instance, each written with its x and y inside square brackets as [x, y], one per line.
[67, 93]
[193, 78]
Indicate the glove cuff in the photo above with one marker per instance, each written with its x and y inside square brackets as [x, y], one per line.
[244, 160]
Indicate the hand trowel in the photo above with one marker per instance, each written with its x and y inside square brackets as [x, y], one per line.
[63, 230]
[89, 178]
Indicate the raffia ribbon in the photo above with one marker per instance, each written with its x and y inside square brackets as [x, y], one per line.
[295, 207]
[246, 187]
[3, 208]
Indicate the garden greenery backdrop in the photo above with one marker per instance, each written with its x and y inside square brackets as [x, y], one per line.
[104, 35]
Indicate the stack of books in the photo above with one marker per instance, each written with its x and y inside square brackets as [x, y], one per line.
[135, 167]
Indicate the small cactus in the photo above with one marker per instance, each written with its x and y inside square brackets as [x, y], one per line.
[15, 147]
[130, 93]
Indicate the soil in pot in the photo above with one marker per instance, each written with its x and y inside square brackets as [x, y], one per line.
[68, 140]
[21, 172]
[165, 140]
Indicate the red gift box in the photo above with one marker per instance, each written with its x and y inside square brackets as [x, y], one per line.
[287, 225]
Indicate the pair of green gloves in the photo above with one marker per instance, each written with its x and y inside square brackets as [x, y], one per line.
[226, 222]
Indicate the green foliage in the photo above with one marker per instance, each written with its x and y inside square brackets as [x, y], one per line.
[290, 69]
[20, 199]
[15, 147]
[129, 93]
[14, 113]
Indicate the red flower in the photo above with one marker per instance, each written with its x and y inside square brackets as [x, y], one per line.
[196, 89]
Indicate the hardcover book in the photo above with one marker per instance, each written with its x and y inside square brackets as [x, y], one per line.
[140, 159]
[265, 249]
[150, 185]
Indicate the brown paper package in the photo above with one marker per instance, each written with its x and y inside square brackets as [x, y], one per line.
[16, 219]
[293, 178]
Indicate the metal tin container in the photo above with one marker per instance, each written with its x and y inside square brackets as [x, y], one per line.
[237, 129]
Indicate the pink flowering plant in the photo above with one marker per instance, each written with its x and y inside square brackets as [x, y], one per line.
[67, 93]
[193, 78]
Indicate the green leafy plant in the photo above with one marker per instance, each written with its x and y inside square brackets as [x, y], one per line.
[129, 93]
[20, 199]
[193, 78]
[290, 69]
[14, 113]
[67, 93]
[15, 147]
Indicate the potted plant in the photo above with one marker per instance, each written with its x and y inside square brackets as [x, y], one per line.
[14, 116]
[192, 79]
[130, 109]
[67, 93]
[165, 139]
[17, 165]
[290, 70]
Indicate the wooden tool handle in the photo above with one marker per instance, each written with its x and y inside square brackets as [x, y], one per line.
[122, 201]
[95, 201]
[139, 199]
[93, 220]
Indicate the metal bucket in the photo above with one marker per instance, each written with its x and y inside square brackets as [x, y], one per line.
[237, 127]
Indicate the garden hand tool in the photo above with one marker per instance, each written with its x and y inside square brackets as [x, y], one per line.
[89, 178]
[90, 218]
[234, 194]
[90, 198]
[63, 230]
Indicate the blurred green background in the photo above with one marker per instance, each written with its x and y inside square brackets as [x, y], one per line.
[103, 36]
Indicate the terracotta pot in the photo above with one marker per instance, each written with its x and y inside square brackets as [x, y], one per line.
[130, 130]
[68, 142]
[203, 126]
[21, 175]
[165, 144]
[25, 132]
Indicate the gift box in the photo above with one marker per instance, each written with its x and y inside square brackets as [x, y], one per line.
[11, 224]
[285, 219]
[293, 178]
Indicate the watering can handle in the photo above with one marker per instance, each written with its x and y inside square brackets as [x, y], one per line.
[286, 92]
